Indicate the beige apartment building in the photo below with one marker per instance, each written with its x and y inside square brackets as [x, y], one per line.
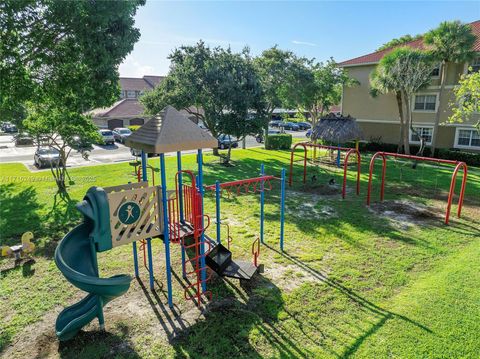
[378, 117]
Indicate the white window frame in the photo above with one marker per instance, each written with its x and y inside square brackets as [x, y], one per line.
[425, 94]
[410, 133]
[131, 91]
[457, 133]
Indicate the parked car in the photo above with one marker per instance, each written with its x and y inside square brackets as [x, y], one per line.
[121, 133]
[224, 141]
[271, 131]
[309, 133]
[107, 137]
[10, 129]
[23, 139]
[138, 153]
[289, 126]
[4, 125]
[304, 125]
[46, 156]
[275, 123]
[79, 144]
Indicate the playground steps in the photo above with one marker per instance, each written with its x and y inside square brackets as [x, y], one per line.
[219, 259]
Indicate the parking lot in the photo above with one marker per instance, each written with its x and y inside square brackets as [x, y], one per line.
[99, 155]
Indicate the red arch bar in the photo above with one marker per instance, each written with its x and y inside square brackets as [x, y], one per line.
[345, 164]
[458, 165]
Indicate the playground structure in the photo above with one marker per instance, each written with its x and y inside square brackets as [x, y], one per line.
[458, 165]
[138, 212]
[348, 153]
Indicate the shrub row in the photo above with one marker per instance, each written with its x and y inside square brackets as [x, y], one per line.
[470, 158]
[278, 142]
[133, 128]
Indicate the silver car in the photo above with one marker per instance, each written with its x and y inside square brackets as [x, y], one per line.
[121, 133]
[46, 157]
[107, 137]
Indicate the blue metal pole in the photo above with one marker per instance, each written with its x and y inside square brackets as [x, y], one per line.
[149, 240]
[282, 209]
[180, 185]
[202, 236]
[166, 239]
[338, 156]
[217, 207]
[262, 202]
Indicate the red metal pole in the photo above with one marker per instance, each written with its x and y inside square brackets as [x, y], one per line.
[359, 169]
[370, 174]
[462, 190]
[452, 190]
[345, 167]
[292, 153]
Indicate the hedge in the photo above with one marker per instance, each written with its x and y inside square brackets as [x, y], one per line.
[279, 142]
[133, 128]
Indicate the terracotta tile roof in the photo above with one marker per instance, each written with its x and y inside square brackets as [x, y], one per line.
[375, 57]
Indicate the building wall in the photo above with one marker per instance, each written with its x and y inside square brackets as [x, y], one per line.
[379, 116]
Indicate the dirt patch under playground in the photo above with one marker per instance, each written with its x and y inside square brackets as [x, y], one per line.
[404, 214]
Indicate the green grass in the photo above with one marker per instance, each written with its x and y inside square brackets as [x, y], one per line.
[350, 284]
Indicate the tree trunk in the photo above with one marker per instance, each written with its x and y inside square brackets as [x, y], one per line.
[398, 95]
[403, 122]
[406, 119]
[437, 114]
[244, 143]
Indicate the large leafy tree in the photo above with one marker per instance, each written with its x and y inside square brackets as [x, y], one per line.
[403, 72]
[319, 88]
[280, 72]
[60, 59]
[467, 98]
[219, 87]
[450, 42]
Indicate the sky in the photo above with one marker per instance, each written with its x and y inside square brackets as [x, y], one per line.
[315, 29]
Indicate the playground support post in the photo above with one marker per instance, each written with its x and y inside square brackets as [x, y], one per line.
[165, 228]
[180, 205]
[149, 240]
[457, 164]
[282, 209]
[202, 236]
[262, 202]
[345, 164]
[217, 207]
[345, 168]
[180, 186]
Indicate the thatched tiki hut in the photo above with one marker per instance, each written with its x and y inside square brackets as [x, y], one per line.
[337, 130]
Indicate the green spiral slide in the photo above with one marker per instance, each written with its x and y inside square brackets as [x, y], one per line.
[76, 258]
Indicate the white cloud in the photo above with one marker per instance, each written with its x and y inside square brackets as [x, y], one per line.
[296, 42]
[131, 67]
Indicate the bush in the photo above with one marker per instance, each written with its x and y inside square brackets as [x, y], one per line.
[470, 158]
[133, 128]
[279, 142]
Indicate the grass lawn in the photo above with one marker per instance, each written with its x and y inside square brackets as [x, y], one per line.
[389, 281]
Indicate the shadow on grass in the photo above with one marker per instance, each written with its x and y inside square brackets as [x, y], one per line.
[383, 314]
[231, 320]
[97, 344]
[20, 211]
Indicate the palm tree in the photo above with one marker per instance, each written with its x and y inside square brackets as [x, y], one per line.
[451, 41]
[382, 82]
[403, 71]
